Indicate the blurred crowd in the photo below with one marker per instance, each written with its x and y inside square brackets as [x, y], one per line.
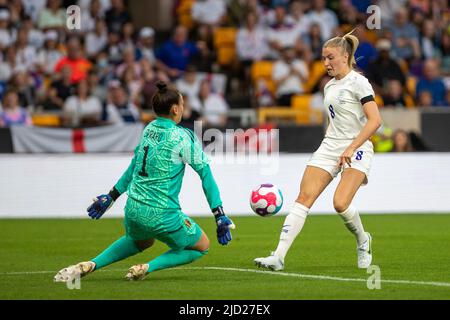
[106, 72]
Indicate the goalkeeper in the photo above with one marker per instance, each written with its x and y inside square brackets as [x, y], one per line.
[153, 182]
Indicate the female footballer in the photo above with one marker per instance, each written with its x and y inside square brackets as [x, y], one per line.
[353, 119]
[153, 182]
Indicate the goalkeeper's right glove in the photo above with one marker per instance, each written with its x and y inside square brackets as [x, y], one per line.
[102, 203]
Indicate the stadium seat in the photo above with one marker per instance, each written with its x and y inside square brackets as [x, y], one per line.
[411, 84]
[379, 100]
[296, 115]
[184, 13]
[226, 56]
[225, 43]
[46, 120]
[372, 36]
[302, 102]
[316, 71]
[261, 69]
[409, 101]
[147, 117]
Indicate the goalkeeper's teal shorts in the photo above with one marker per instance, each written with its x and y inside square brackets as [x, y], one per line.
[176, 230]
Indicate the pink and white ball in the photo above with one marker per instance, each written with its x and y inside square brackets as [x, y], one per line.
[266, 200]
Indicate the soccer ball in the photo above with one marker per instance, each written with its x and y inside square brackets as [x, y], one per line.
[266, 200]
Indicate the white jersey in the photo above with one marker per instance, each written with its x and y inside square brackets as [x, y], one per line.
[343, 101]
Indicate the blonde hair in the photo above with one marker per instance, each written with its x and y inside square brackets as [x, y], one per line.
[348, 43]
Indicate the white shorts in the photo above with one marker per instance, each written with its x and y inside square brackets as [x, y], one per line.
[327, 157]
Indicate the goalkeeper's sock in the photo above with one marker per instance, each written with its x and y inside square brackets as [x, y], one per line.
[119, 250]
[292, 226]
[353, 223]
[174, 258]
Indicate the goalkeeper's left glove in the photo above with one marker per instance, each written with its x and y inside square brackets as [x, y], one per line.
[102, 203]
[224, 224]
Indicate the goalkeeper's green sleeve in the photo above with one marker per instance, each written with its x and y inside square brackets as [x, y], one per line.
[122, 185]
[210, 187]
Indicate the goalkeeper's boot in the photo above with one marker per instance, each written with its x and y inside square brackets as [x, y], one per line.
[138, 272]
[365, 253]
[74, 272]
[271, 262]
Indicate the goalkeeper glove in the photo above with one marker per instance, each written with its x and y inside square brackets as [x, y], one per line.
[224, 224]
[102, 203]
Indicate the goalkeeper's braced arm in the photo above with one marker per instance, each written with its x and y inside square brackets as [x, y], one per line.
[224, 224]
[103, 202]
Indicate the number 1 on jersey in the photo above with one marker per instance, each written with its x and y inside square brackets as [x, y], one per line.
[143, 173]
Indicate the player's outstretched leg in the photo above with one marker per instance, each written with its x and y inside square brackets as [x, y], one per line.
[351, 181]
[123, 248]
[314, 181]
[172, 258]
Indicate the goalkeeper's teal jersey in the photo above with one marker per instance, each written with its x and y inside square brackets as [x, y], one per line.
[155, 174]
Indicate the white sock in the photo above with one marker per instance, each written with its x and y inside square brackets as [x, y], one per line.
[292, 226]
[353, 223]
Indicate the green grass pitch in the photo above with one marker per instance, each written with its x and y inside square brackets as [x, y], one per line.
[411, 250]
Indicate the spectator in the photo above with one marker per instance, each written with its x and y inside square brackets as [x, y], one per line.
[33, 8]
[251, 41]
[129, 62]
[94, 84]
[432, 82]
[299, 17]
[189, 115]
[117, 16]
[366, 52]
[53, 16]
[120, 109]
[174, 55]
[51, 101]
[133, 85]
[128, 35]
[384, 68]
[428, 40]
[262, 94]
[64, 87]
[402, 142]
[209, 12]
[92, 13]
[150, 79]
[50, 54]
[145, 48]
[289, 73]
[113, 48]
[425, 98]
[212, 107]
[405, 36]
[9, 63]
[82, 109]
[444, 54]
[96, 40]
[78, 64]
[22, 84]
[6, 33]
[13, 114]
[36, 37]
[26, 54]
[394, 95]
[189, 84]
[324, 17]
[313, 40]
[282, 33]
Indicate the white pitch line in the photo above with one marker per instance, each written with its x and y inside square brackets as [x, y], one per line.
[276, 273]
